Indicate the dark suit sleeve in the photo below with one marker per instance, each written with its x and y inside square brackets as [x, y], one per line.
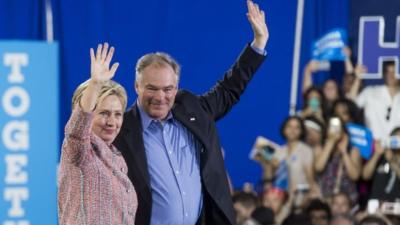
[220, 99]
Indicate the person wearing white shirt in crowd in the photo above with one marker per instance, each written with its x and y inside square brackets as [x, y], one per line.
[381, 103]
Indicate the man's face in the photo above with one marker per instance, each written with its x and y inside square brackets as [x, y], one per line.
[156, 90]
[390, 76]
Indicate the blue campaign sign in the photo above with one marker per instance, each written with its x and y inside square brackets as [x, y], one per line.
[282, 176]
[29, 132]
[361, 137]
[329, 46]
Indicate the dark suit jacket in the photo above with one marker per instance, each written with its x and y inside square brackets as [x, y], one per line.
[198, 114]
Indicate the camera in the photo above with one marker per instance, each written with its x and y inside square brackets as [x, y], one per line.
[267, 152]
[268, 149]
[388, 208]
[391, 208]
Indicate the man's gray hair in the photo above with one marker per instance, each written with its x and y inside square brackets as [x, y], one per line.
[159, 59]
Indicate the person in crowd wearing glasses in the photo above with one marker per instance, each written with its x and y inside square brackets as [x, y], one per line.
[381, 103]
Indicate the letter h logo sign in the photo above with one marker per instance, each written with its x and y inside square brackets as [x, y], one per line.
[373, 50]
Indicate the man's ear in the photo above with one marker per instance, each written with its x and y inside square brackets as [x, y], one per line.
[136, 86]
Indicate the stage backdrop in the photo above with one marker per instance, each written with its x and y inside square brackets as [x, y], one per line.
[29, 132]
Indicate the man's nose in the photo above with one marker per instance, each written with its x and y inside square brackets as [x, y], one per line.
[159, 95]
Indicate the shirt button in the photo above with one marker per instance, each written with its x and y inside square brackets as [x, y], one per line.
[170, 152]
[128, 190]
[186, 215]
[184, 193]
[177, 171]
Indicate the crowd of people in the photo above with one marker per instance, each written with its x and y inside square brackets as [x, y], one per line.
[319, 176]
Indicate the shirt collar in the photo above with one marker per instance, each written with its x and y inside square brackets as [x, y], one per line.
[146, 119]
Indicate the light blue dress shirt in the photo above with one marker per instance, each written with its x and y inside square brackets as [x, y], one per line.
[174, 169]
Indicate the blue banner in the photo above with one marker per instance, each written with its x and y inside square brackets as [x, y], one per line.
[329, 46]
[361, 138]
[29, 132]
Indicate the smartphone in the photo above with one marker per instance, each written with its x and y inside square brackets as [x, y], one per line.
[335, 125]
[373, 206]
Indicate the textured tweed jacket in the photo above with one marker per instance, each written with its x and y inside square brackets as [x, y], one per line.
[93, 186]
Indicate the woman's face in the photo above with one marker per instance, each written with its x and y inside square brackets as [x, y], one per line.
[292, 130]
[342, 111]
[314, 100]
[348, 80]
[330, 90]
[313, 137]
[314, 94]
[340, 205]
[107, 119]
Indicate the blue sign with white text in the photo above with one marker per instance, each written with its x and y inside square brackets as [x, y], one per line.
[361, 138]
[329, 46]
[29, 132]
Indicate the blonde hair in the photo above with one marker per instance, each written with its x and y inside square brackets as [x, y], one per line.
[108, 88]
[159, 59]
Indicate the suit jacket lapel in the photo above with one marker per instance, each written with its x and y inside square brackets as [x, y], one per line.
[134, 138]
[190, 121]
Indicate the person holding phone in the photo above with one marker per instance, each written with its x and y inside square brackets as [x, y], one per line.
[338, 165]
[384, 170]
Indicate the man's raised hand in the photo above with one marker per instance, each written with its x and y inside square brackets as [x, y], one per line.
[256, 18]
